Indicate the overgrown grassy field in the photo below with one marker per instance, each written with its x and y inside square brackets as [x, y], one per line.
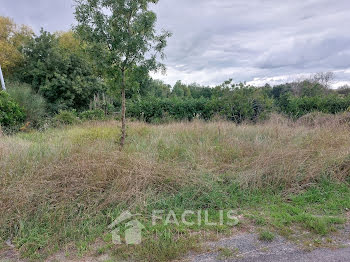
[60, 189]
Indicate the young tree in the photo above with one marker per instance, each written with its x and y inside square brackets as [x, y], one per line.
[122, 37]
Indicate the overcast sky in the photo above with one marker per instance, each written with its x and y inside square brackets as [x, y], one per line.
[256, 41]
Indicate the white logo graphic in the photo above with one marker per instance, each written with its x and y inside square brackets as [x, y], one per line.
[132, 228]
[133, 233]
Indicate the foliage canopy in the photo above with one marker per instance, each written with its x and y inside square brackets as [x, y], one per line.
[57, 68]
[12, 38]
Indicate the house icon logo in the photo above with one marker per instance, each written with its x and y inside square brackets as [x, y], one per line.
[133, 232]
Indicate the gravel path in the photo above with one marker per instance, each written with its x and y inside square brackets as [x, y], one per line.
[247, 248]
[244, 247]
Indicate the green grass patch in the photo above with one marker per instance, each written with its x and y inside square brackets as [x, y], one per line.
[48, 230]
[266, 236]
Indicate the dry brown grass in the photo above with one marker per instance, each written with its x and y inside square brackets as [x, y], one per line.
[77, 167]
[82, 165]
[318, 119]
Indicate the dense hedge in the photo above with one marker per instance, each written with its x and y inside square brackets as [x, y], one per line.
[237, 104]
[243, 105]
[97, 114]
[153, 109]
[11, 114]
[299, 106]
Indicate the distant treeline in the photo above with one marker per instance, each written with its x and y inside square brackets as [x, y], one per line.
[52, 76]
[236, 102]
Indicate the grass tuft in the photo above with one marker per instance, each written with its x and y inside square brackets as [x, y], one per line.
[266, 236]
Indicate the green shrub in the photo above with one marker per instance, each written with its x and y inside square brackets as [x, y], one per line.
[266, 236]
[33, 104]
[246, 103]
[65, 117]
[97, 114]
[157, 110]
[63, 76]
[299, 106]
[11, 114]
[238, 105]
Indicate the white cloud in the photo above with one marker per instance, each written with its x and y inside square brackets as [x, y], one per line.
[217, 40]
[214, 40]
[276, 80]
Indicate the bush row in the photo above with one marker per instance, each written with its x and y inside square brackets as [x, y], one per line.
[12, 116]
[299, 106]
[154, 110]
[242, 104]
[65, 117]
[21, 108]
[237, 108]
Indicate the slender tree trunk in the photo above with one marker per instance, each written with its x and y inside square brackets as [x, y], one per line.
[122, 139]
